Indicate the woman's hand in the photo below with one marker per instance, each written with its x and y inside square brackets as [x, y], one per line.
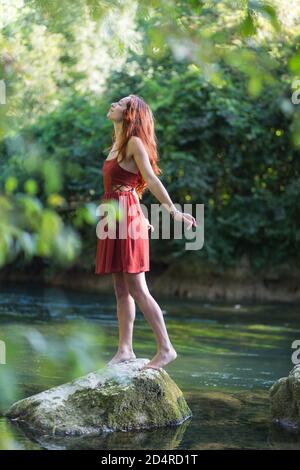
[185, 217]
[179, 216]
[149, 225]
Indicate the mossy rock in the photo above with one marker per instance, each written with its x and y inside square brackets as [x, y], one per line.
[119, 397]
[285, 401]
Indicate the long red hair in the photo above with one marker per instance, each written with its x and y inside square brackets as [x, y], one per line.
[139, 121]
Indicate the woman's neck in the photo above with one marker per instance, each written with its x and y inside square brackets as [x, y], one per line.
[118, 131]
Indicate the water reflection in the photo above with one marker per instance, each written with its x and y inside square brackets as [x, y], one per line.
[159, 438]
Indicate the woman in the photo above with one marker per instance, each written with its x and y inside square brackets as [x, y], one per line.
[128, 259]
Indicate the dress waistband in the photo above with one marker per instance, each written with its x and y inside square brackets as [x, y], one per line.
[117, 191]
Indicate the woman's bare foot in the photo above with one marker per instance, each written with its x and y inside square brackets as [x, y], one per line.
[121, 357]
[162, 358]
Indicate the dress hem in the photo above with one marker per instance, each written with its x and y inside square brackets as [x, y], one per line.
[122, 271]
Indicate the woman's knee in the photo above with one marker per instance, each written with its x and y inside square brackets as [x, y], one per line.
[137, 286]
[120, 287]
[138, 292]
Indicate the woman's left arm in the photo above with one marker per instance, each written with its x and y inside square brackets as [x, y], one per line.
[154, 184]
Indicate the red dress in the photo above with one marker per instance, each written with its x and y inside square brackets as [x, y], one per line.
[125, 253]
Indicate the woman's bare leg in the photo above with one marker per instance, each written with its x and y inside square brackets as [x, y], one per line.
[126, 317]
[138, 289]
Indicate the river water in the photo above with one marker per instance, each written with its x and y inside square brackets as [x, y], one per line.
[228, 357]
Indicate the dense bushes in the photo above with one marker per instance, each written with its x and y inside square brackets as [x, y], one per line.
[217, 146]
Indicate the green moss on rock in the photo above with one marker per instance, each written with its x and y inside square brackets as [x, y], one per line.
[120, 397]
[285, 401]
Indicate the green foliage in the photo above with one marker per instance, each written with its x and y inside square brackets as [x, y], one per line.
[219, 83]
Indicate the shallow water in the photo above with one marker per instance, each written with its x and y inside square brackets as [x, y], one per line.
[228, 357]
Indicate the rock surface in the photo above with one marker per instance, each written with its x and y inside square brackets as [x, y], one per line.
[119, 397]
[285, 401]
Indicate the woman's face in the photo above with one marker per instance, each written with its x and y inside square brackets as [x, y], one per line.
[117, 109]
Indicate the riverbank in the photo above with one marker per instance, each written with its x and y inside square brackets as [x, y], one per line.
[183, 280]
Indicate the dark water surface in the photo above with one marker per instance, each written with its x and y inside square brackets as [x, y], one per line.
[228, 357]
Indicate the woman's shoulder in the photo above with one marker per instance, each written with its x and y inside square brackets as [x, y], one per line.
[135, 143]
